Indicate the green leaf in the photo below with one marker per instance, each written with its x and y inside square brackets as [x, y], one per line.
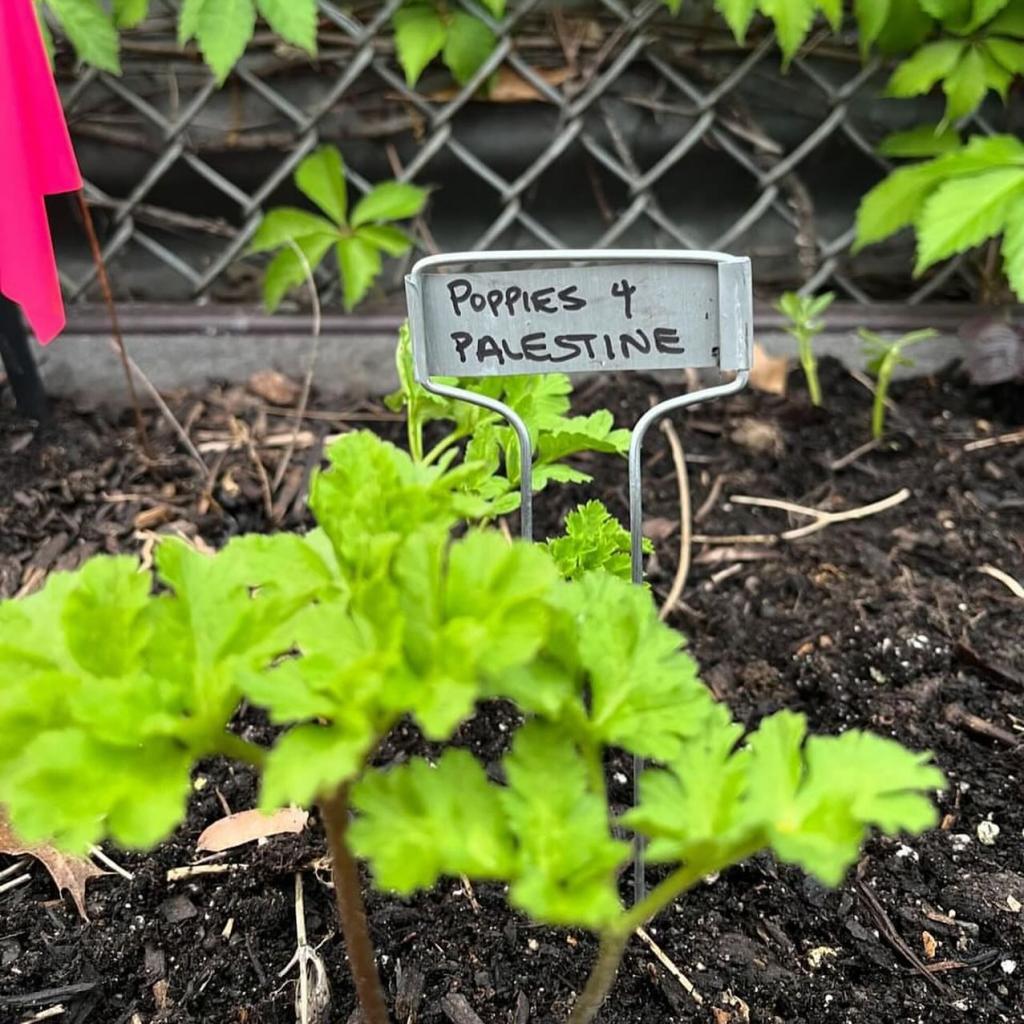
[965, 85]
[392, 200]
[311, 761]
[954, 14]
[107, 602]
[288, 223]
[594, 539]
[566, 859]
[1008, 53]
[188, 19]
[1013, 248]
[644, 690]
[496, 7]
[418, 822]
[793, 19]
[895, 202]
[983, 11]
[321, 179]
[286, 269]
[129, 13]
[924, 140]
[293, 20]
[906, 28]
[833, 11]
[468, 44]
[420, 36]
[91, 31]
[997, 77]
[1010, 21]
[919, 72]
[737, 14]
[224, 28]
[965, 211]
[871, 18]
[359, 262]
[693, 810]
[391, 240]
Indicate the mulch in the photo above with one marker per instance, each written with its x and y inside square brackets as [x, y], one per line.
[892, 622]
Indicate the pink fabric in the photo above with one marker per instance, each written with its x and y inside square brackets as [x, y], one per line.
[36, 159]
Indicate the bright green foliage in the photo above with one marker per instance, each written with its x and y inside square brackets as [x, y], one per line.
[425, 29]
[812, 804]
[924, 140]
[803, 312]
[129, 13]
[302, 239]
[109, 694]
[91, 31]
[594, 539]
[541, 401]
[883, 358]
[954, 202]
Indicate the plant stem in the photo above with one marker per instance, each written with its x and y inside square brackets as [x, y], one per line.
[810, 368]
[234, 746]
[442, 446]
[881, 392]
[602, 977]
[351, 910]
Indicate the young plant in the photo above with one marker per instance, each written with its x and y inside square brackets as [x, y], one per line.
[594, 539]
[359, 238]
[111, 693]
[883, 358]
[543, 403]
[803, 312]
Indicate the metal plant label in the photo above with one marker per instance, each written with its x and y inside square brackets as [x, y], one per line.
[578, 312]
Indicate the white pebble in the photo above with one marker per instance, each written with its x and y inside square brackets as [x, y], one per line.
[960, 841]
[1008, 966]
[988, 832]
[906, 851]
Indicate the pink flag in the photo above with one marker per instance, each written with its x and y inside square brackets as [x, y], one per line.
[36, 159]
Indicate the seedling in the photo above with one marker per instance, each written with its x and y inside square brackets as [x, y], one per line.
[883, 358]
[111, 693]
[803, 312]
[359, 238]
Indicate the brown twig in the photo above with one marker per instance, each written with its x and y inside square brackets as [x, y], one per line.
[115, 325]
[1005, 578]
[682, 480]
[958, 715]
[888, 931]
[714, 493]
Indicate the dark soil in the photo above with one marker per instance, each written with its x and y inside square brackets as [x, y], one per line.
[885, 622]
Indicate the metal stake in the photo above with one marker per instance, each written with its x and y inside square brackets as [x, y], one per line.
[636, 530]
[29, 395]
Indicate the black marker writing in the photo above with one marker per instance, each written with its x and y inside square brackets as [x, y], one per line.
[624, 290]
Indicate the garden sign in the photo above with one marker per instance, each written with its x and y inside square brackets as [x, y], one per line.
[578, 311]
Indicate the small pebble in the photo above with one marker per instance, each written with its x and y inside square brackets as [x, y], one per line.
[988, 832]
[960, 841]
[1008, 966]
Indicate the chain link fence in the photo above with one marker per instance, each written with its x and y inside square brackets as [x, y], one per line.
[593, 125]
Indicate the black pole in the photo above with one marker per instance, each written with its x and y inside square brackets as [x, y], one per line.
[26, 383]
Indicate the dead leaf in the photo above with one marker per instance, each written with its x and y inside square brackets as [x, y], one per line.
[929, 944]
[769, 373]
[507, 86]
[758, 436]
[713, 556]
[660, 528]
[248, 826]
[70, 874]
[274, 387]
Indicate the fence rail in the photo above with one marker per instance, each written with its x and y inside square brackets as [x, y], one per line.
[605, 124]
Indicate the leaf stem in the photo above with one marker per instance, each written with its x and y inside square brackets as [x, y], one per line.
[810, 367]
[352, 911]
[602, 977]
[441, 447]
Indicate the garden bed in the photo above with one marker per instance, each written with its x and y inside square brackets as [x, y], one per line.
[886, 622]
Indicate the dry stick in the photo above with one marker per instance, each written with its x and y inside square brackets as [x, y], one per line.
[991, 442]
[115, 324]
[687, 985]
[821, 518]
[352, 911]
[711, 500]
[1005, 578]
[683, 570]
[307, 382]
